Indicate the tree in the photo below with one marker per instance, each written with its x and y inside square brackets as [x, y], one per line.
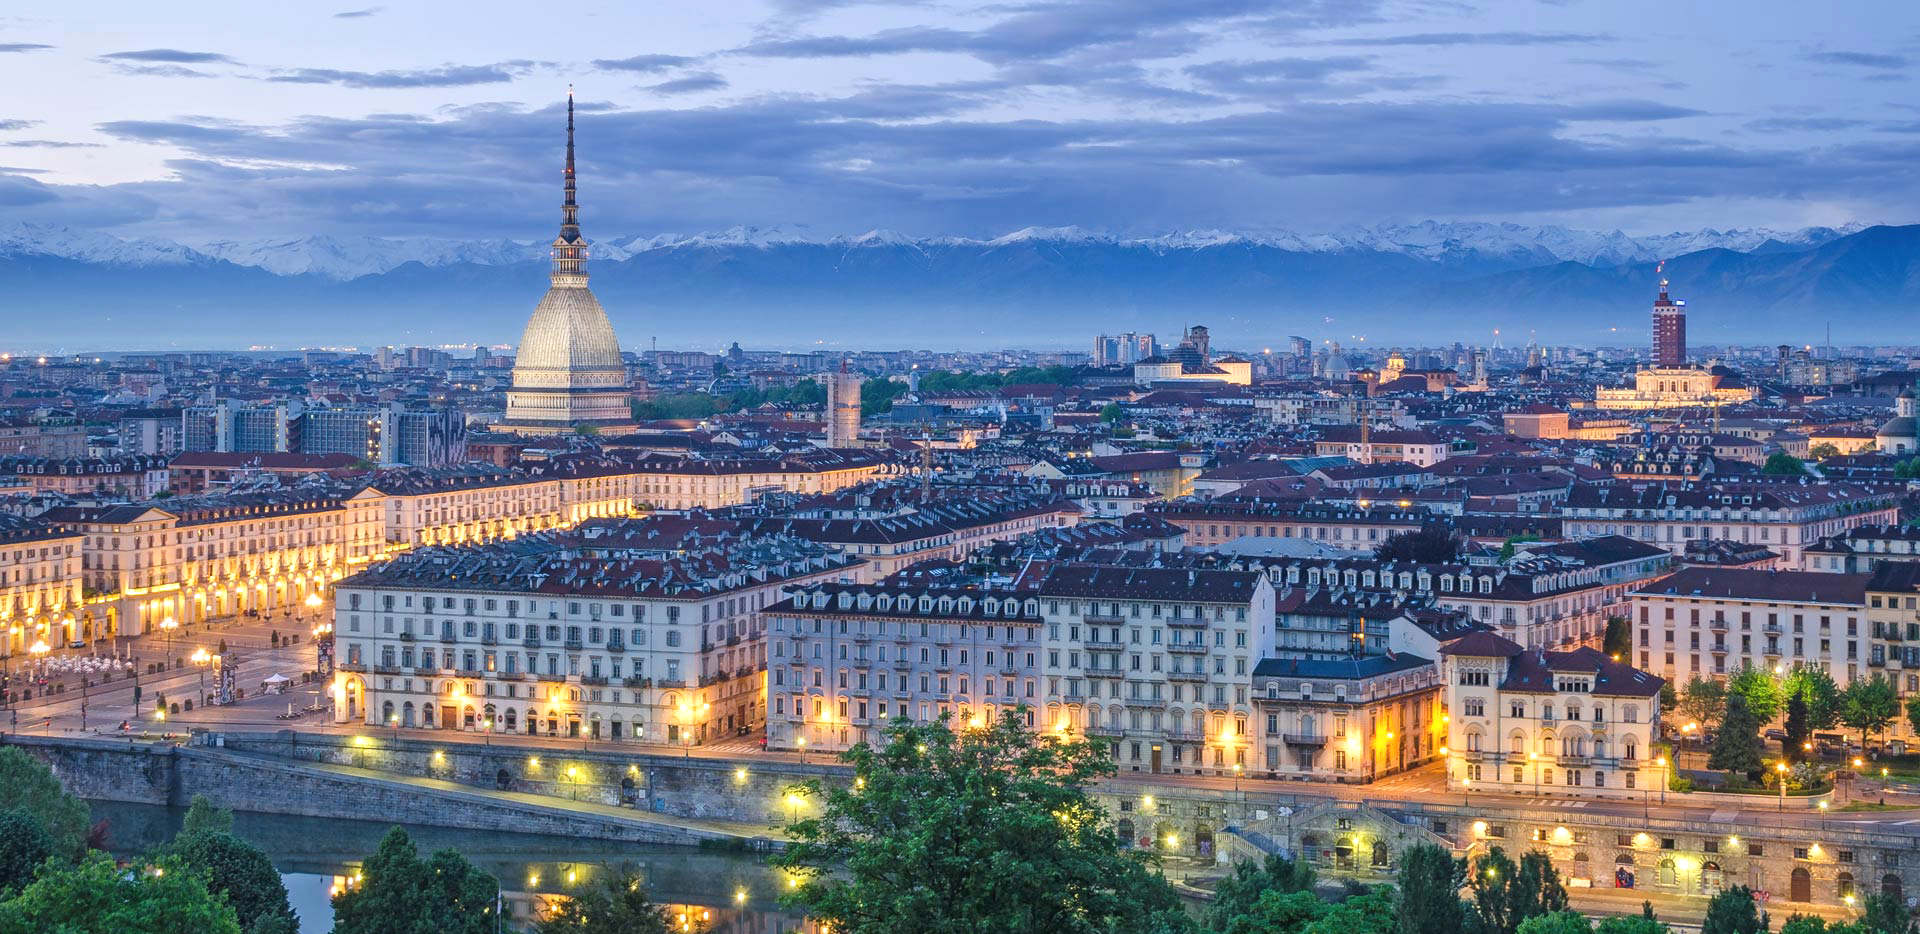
[24, 845]
[1112, 412]
[1816, 687]
[1702, 702]
[1869, 705]
[1761, 691]
[987, 828]
[1822, 451]
[96, 895]
[203, 816]
[1782, 464]
[1733, 911]
[1536, 887]
[1556, 922]
[1273, 911]
[1619, 641]
[1430, 880]
[1736, 748]
[1489, 884]
[234, 867]
[399, 893]
[1366, 913]
[29, 786]
[617, 903]
[1913, 712]
[1792, 745]
[1632, 924]
[1429, 545]
[1236, 894]
[1886, 914]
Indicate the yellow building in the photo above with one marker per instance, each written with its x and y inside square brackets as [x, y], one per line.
[39, 586]
[1676, 387]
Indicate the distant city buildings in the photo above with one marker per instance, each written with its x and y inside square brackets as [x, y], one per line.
[1120, 349]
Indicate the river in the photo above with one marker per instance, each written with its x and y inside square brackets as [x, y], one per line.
[734, 894]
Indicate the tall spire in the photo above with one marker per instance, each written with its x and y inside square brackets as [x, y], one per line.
[569, 248]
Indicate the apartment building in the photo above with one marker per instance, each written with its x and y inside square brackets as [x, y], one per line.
[1354, 528]
[1157, 661]
[1349, 719]
[1785, 517]
[464, 505]
[617, 635]
[40, 595]
[1711, 622]
[195, 558]
[134, 477]
[1554, 722]
[710, 483]
[1893, 621]
[846, 659]
[1860, 550]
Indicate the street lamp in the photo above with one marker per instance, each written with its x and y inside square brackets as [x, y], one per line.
[1662, 763]
[793, 807]
[167, 626]
[1780, 770]
[1535, 759]
[200, 658]
[802, 743]
[313, 602]
[1236, 778]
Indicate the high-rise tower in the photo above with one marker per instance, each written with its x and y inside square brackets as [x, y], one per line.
[843, 408]
[567, 373]
[1669, 326]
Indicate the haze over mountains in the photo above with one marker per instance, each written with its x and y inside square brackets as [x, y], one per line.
[66, 289]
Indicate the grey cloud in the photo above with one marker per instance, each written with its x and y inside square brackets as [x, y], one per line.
[358, 14]
[887, 42]
[18, 124]
[1280, 74]
[48, 144]
[441, 77]
[701, 81]
[23, 47]
[1817, 124]
[159, 71]
[1858, 59]
[1477, 38]
[642, 63]
[173, 56]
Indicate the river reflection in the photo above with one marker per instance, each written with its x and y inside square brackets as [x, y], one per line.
[729, 894]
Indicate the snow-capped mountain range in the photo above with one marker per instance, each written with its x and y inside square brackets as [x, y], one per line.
[345, 258]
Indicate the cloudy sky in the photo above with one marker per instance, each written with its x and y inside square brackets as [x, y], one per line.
[200, 120]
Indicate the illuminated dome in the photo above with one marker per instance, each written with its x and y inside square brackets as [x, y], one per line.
[567, 372]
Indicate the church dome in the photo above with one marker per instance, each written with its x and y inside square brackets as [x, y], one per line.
[567, 339]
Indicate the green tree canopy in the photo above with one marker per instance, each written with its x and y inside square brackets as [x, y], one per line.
[1822, 696]
[1236, 894]
[1619, 639]
[988, 829]
[1761, 690]
[1430, 880]
[1913, 712]
[1869, 705]
[96, 895]
[1631, 924]
[1782, 464]
[1430, 545]
[1736, 748]
[239, 870]
[1556, 922]
[1793, 746]
[1273, 912]
[24, 845]
[1703, 701]
[616, 903]
[1366, 913]
[400, 893]
[29, 786]
[203, 816]
[1733, 911]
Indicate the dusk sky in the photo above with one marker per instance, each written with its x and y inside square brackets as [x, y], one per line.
[202, 121]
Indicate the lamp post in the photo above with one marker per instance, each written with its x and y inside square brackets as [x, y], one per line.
[1535, 759]
[200, 658]
[167, 626]
[1664, 782]
[323, 649]
[313, 602]
[802, 743]
[1236, 778]
[793, 807]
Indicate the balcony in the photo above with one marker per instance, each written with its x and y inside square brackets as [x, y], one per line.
[469, 673]
[353, 666]
[1158, 703]
[510, 676]
[1113, 673]
[1107, 732]
[1575, 761]
[616, 647]
[1094, 642]
[1196, 676]
[1074, 697]
[1303, 739]
[1103, 618]
[489, 640]
[406, 637]
[575, 645]
[532, 642]
[1187, 648]
[636, 682]
[1188, 621]
[447, 637]
[386, 669]
[599, 681]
